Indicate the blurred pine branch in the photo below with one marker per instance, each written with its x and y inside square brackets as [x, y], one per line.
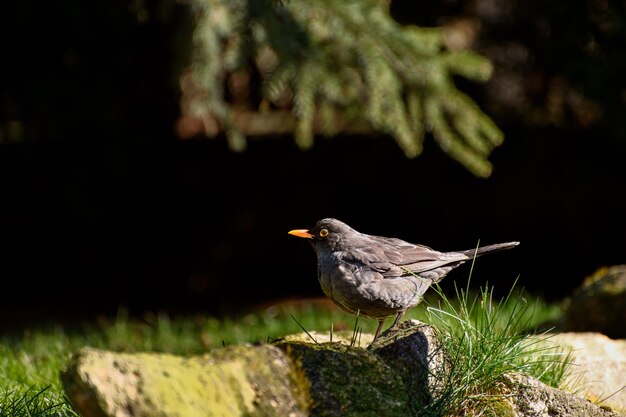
[262, 67]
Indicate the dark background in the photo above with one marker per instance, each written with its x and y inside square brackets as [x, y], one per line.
[102, 205]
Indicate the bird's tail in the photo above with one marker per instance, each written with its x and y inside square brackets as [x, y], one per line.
[489, 248]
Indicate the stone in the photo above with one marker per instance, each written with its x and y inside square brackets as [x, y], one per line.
[412, 351]
[343, 336]
[348, 381]
[531, 398]
[391, 377]
[599, 305]
[598, 369]
[397, 375]
[239, 381]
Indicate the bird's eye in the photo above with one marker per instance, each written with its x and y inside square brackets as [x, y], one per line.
[323, 233]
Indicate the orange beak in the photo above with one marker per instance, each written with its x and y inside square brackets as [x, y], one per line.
[302, 233]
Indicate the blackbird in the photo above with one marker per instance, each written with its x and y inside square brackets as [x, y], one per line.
[378, 277]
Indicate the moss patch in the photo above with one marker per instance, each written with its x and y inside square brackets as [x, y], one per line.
[348, 381]
[241, 381]
[599, 305]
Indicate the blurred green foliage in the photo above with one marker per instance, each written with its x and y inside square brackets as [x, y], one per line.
[327, 61]
[77, 70]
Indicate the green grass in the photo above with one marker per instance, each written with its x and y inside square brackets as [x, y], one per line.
[484, 339]
[30, 362]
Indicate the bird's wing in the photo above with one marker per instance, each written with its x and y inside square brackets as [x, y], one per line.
[395, 257]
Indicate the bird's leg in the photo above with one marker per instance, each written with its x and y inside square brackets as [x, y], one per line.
[379, 328]
[398, 317]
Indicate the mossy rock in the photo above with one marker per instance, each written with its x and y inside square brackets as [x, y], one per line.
[413, 352]
[598, 369]
[293, 377]
[348, 381]
[238, 381]
[397, 375]
[599, 305]
[344, 336]
[530, 397]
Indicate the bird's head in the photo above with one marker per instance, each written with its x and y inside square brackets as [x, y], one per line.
[327, 234]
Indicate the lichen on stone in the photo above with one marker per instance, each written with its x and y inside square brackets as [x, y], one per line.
[242, 381]
[348, 381]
